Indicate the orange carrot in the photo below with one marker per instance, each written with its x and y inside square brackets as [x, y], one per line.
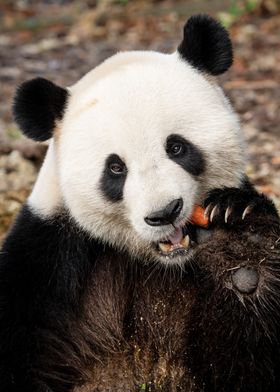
[198, 218]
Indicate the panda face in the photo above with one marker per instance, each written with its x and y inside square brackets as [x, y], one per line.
[143, 138]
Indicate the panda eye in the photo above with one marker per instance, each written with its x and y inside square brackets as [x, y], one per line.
[185, 154]
[113, 178]
[117, 168]
[176, 149]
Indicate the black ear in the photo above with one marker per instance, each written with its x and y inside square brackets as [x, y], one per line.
[206, 45]
[38, 104]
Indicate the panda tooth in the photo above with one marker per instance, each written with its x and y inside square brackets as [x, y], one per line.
[185, 241]
[169, 247]
[164, 247]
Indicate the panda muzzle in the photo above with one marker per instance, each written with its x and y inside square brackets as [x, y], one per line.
[176, 241]
[182, 238]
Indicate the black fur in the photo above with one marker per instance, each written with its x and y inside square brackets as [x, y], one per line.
[74, 313]
[111, 184]
[242, 355]
[206, 45]
[191, 158]
[44, 268]
[38, 104]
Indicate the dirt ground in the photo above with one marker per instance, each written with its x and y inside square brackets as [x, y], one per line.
[62, 40]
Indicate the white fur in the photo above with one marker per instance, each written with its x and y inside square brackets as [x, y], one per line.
[129, 105]
[45, 197]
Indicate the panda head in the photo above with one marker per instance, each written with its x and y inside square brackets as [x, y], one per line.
[139, 141]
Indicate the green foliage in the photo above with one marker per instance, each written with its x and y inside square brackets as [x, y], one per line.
[122, 2]
[237, 9]
[251, 5]
[112, 2]
[147, 387]
[13, 133]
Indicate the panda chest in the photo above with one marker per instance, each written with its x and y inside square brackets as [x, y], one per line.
[146, 325]
[159, 336]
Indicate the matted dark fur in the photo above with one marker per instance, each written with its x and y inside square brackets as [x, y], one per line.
[79, 316]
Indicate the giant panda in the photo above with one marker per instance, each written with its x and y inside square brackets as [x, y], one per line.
[105, 285]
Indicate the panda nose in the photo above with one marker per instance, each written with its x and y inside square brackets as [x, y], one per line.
[167, 215]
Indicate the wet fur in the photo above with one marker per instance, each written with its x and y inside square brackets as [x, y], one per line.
[98, 321]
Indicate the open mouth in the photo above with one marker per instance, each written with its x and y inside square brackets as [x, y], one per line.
[178, 243]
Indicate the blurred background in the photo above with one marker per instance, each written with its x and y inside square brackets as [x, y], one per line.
[62, 40]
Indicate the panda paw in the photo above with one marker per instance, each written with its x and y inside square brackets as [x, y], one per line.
[231, 206]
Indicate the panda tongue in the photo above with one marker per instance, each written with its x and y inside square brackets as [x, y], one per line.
[176, 237]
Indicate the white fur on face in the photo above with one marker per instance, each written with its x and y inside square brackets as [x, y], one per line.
[128, 106]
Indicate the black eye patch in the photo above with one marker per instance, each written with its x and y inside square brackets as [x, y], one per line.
[185, 154]
[113, 178]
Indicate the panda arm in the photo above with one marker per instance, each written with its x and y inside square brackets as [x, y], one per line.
[44, 265]
[237, 318]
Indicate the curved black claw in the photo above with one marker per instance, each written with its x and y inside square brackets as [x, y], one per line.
[235, 205]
